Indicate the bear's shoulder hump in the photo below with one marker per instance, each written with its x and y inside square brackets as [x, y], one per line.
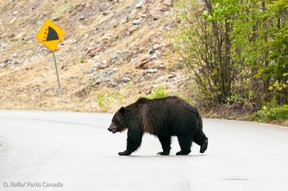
[142, 100]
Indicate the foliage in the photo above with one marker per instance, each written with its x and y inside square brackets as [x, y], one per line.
[108, 99]
[101, 98]
[268, 114]
[82, 60]
[237, 50]
[158, 93]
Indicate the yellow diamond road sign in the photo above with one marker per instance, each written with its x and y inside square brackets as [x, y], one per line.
[50, 35]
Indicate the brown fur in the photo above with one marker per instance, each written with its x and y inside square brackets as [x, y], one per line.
[164, 118]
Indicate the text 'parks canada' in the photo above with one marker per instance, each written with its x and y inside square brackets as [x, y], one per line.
[33, 184]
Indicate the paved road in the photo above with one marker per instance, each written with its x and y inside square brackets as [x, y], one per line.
[74, 151]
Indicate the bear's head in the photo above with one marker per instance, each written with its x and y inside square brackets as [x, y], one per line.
[118, 121]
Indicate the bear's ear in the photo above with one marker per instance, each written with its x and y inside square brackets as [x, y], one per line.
[122, 110]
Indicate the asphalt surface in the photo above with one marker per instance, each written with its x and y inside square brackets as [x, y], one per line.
[74, 151]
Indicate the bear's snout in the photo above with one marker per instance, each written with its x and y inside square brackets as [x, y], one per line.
[112, 128]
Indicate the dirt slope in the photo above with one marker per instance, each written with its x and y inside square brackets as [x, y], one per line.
[114, 51]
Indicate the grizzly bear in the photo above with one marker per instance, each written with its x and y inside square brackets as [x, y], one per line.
[164, 118]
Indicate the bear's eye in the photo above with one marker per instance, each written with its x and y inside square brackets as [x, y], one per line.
[114, 121]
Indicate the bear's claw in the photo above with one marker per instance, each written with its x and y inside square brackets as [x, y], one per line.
[163, 153]
[183, 152]
[124, 153]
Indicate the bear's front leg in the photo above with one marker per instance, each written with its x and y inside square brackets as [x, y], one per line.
[134, 139]
[166, 144]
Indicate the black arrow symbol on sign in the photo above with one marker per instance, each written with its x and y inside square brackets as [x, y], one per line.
[52, 34]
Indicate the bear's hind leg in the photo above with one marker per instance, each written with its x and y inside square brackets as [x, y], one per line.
[166, 144]
[201, 140]
[185, 145]
[204, 146]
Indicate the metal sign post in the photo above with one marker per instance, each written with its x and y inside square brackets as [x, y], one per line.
[50, 35]
[56, 68]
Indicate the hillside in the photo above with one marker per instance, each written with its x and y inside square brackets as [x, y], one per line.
[113, 52]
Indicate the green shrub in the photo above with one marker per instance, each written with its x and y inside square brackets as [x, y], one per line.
[271, 114]
[158, 93]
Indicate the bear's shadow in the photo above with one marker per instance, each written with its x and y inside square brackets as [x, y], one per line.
[170, 156]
